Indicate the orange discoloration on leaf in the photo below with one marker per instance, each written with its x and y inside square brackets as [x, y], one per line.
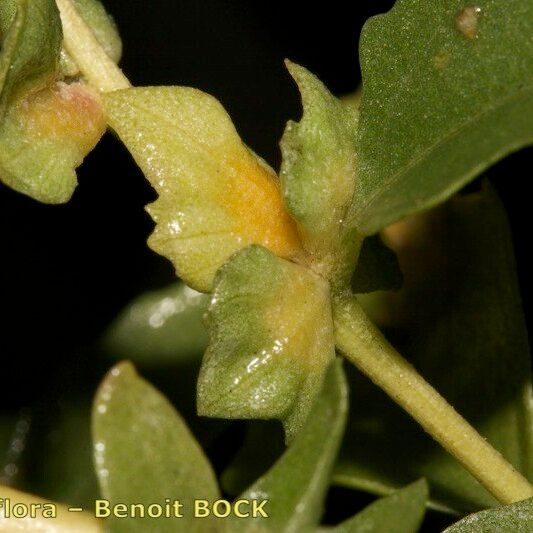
[71, 111]
[254, 201]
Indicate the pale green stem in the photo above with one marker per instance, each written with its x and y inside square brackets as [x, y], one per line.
[80, 42]
[364, 345]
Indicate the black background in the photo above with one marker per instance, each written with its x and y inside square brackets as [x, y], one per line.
[65, 271]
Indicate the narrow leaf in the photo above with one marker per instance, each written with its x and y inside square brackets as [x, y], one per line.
[443, 98]
[144, 453]
[271, 340]
[402, 511]
[296, 485]
[161, 326]
[215, 195]
[516, 518]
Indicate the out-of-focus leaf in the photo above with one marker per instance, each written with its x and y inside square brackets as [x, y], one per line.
[161, 326]
[144, 453]
[46, 126]
[515, 518]
[215, 195]
[402, 511]
[296, 485]
[63, 469]
[64, 521]
[447, 91]
[377, 268]
[318, 171]
[271, 340]
[263, 444]
[465, 333]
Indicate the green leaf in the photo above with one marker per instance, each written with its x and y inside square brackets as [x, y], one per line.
[30, 33]
[443, 98]
[515, 518]
[402, 511]
[161, 326]
[263, 444]
[318, 171]
[215, 196]
[377, 268]
[144, 453]
[63, 468]
[464, 331]
[296, 485]
[271, 340]
[46, 126]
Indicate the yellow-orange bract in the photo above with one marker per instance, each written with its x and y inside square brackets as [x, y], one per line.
[215, 195]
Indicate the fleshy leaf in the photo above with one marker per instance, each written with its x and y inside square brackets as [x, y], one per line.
[402, 511]
[215, 195]
[463, 329]
[46, 126]
[515, 518]
[160, 327]
[443, 98]
[271, 340]
[296, 485]
[318, 171]
[144, 453]
[65, 521]
[377, 268]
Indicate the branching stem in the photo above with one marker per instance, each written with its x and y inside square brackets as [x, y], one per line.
[364, 345]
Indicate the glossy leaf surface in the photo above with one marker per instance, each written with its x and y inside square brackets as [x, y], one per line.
[161, 326]
[271, 340]
[296, 485]
[145, 453]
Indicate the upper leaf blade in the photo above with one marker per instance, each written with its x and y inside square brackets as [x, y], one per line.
[271, 340]
[215, 195]
[401, 511]
[443, 98]
[296, 485]
[144, 453]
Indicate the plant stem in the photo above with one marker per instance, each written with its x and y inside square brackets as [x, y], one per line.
[364, 345]
[80, 42]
